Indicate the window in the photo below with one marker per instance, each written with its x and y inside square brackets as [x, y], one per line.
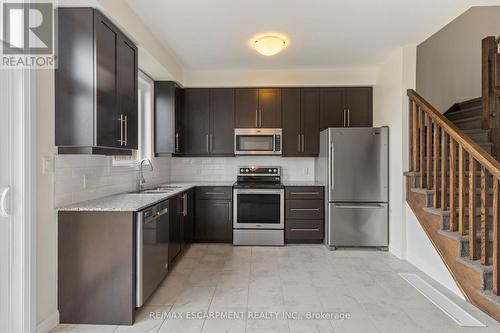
[145, 118]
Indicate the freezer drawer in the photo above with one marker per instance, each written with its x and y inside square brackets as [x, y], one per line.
[355, 224]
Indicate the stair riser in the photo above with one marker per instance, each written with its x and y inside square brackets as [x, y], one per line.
[471, 124]
[479, 137]
[464, 114]
[464, 248]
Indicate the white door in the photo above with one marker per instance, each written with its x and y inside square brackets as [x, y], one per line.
[17, 165]
[5, 221]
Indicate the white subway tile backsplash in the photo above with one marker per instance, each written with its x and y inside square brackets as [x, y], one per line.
[225, 169]
[85, 177]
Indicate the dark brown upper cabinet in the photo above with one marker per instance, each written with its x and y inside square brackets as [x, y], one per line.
[346, 107]
[167, 108]
[95, 85]
[258, 108]
[208, 122]
[300, 121]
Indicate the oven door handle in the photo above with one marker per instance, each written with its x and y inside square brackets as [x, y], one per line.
[259, 191]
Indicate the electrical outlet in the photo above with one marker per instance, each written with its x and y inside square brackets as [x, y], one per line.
[47, 165]
[306, 171]
[84, 182]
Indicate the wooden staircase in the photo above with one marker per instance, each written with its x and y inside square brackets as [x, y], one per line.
[453, 189]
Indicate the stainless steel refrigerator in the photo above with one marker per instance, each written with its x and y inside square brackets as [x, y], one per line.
[353, 163]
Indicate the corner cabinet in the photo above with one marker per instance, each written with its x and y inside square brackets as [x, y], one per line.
[167, 109]
[95, 85]
[300, 121]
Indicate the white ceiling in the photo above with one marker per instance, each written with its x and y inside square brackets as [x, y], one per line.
[215, 34]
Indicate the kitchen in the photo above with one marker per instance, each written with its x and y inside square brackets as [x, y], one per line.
[173, 195]
[258, 207]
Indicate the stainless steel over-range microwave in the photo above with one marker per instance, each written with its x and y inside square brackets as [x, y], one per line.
[257, 141]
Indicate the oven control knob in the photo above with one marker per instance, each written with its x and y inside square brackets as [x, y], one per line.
[269, 170]
[275, 170]
[242, 170]
[246, 170]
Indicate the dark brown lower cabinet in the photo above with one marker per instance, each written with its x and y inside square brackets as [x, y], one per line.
[96, 267]
[214, 215]
[304, 214]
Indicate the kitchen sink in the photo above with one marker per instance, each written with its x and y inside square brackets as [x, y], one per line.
[158, 189]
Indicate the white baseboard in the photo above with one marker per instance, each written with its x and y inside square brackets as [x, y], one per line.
[397, 252]
[49, 323]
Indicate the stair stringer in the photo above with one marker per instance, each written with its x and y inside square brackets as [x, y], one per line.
[468, 280]
[421, 253]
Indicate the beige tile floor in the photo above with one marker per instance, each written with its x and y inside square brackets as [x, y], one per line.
[216, 278]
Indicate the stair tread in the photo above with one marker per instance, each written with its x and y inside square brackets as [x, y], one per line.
[479, 109]
[476, 265]
[476, 131]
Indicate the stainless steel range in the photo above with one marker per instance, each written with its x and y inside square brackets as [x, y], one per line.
[259, 207]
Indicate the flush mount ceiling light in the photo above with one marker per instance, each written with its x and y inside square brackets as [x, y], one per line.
[269, 45]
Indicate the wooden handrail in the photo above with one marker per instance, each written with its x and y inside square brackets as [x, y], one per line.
[434, 144]
[479, 154]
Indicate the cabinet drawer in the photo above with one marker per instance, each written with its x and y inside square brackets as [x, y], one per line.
[304, 192]
[304, 209]
[214, 192]
[304, 229]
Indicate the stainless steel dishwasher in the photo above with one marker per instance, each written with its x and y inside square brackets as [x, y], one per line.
[152, 249]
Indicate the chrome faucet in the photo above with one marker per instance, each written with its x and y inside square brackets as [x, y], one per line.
[140, 179]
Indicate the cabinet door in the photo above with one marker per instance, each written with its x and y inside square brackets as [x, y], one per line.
[179, 135]
[196, 121]
[189, 217]
[247, 108]
[331, 106]
[127, 91]
[291, 122]
[174, 245]
[358, 102]
[222, 121]
[269, 108]
[164, 108]
[108, 126]
[214, 221]
[309, 110]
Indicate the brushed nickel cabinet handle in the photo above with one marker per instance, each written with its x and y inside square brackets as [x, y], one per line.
[208, 143]
[298, 143]
[260, 118]
[211, 143]
[344, 117]
[215, 193]
[256, 118]
[305, 209]
[304, 193]
[121, 130]
[303, 144]
[348, 117]
[304, 229]
[126, 130]
[176, 142]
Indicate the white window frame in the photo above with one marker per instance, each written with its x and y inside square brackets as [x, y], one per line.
[145, 103]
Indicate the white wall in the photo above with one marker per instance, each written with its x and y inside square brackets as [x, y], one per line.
[225, 168]
[285, 77]
[449, 62]
[407, 238]
[387, 111]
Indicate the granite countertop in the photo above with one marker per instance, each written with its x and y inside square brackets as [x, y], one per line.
[133, 202]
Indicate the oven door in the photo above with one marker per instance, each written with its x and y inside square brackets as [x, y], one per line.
[264, 141]
[259, 209]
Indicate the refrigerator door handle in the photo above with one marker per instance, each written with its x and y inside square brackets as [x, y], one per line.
[359, 206]
[332, 159]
